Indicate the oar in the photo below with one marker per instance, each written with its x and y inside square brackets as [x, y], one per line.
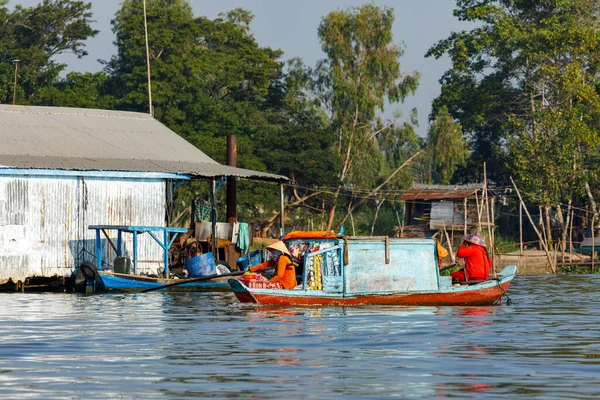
[184, 281]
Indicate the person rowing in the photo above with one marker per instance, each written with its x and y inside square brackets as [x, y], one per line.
[477, 262]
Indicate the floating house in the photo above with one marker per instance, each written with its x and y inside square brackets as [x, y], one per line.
[453, 208]
[64, 169]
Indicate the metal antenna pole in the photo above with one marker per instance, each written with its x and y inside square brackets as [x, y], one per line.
[16, 81]
[151, 109]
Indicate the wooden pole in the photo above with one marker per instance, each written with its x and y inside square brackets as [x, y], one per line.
[542, 225]
[571, 236]
[593, 248]
[520, 229]
[213, 218]
[478, 212]
[450, 244]
[493, 237]
[552, 266]
[16, 81]
[352, 221]
[281, 211]
[487, 211]
[466, 212]
[150, 108]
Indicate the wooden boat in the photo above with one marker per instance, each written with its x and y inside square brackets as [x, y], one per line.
[127, 283]
[373, 270]
[96, 280]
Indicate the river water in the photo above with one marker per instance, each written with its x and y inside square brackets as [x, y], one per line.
[156, 345]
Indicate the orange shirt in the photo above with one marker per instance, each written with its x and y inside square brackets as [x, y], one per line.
[285, 272]
[477, 263]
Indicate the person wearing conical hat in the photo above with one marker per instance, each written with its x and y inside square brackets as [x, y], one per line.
[477, 263]
[285, 273]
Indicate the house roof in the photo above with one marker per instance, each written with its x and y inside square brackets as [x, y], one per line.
[104, 140]
[440, 192]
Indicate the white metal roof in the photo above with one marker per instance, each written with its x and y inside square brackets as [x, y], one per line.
[104, 140]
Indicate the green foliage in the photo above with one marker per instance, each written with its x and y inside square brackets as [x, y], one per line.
[360, 74]
[505, 244]
[35, 35]
[523, 84]
[87, 90]
[448, 148]
[210, 78]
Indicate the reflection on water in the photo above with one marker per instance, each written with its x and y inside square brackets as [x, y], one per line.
[207, 345]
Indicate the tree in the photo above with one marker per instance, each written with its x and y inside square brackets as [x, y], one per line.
[35, 35]
[447, 146]
[543, 59]
[85, 90]
[360, 74]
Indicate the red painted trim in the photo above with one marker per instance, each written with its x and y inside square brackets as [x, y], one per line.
[472, 297]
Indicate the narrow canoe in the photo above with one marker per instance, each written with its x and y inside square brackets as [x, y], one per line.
[126, 283]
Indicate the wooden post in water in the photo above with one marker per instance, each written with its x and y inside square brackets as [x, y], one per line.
[539, 235]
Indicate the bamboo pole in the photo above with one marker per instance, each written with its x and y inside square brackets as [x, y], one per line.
[150, 108]
[450, 245]
[593, 248]
[213, 218]
[281, 210]
[478, 212]
[487, 211]
[493, 238]
[552, 265]
[16, 81]
[545, 237]
[466, 211]
[571, 236]
[520, 229]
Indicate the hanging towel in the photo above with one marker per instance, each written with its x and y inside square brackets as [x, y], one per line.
[243, 239]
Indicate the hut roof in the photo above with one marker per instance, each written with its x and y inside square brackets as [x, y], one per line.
[102, 140]
[440, 192]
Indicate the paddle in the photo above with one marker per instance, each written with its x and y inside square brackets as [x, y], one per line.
[184, 281]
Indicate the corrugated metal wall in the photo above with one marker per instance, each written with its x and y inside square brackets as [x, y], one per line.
[44, 220]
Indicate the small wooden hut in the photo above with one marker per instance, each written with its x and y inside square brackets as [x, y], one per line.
[432, 210]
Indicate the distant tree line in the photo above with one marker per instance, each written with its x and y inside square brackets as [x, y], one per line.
[522, 95]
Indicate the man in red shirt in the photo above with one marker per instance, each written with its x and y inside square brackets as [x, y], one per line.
[477, 262]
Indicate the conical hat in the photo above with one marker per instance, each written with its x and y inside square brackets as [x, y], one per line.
[475, 238]
[279, 246]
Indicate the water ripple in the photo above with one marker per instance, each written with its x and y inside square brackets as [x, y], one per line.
[159, 345]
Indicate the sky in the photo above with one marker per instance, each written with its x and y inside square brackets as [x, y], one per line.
[291, 25]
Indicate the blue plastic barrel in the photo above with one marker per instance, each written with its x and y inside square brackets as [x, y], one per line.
[250, 259]
[200, 266]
